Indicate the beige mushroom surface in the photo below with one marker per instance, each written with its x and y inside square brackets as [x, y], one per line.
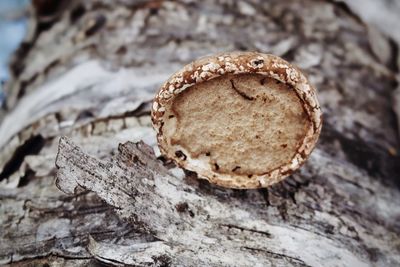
[239, 120]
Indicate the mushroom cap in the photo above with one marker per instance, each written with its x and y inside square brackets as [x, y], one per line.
[176, 114]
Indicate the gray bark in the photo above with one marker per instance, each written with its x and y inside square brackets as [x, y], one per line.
[89, 69]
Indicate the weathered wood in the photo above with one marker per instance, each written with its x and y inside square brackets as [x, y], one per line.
[89, 70]
[196, 229]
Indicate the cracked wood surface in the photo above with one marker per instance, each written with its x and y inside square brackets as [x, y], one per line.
[340, 209]
[195, 228]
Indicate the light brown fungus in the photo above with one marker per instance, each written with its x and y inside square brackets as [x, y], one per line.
[240, 119]
[246, 124]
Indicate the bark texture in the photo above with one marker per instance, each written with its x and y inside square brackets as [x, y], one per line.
[89, 69]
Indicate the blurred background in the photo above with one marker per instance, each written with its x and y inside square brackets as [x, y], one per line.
[383, 15]
[13, 24]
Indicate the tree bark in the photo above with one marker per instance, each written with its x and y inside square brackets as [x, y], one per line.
[88, 71]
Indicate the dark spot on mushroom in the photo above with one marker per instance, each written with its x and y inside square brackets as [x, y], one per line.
[240, 92]
[216, 166]
[250, 175]
[171, 116]
[262, 82]
[284, 145]
[286, 172]
[258, 62]
[208, 154]
[236, 168]
[180, 155]
[257, 137]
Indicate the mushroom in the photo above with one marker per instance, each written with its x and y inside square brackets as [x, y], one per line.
[239, 119]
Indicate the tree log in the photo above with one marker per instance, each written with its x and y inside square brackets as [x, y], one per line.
[88, 71]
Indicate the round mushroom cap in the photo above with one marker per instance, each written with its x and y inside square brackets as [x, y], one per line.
[239, 119]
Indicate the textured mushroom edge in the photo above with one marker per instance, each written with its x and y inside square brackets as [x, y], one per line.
[210, 67]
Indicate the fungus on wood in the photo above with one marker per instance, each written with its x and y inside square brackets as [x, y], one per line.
[240, 119]
[340, 209]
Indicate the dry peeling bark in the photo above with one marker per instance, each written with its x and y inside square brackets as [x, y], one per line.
[88, 70]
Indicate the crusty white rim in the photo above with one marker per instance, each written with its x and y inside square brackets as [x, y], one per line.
[210, 67]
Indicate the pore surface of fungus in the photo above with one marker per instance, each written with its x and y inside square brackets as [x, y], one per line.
[240, 120]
